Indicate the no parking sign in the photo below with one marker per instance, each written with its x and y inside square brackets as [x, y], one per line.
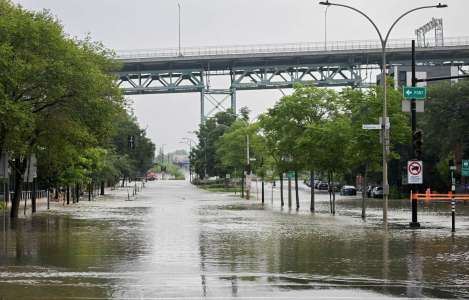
[415, 172]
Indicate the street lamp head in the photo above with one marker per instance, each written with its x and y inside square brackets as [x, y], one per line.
[325, 3]
[441, 5]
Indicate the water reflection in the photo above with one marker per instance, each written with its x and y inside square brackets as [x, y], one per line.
[176, 241]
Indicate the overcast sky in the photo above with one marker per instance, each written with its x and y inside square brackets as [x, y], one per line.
[142, 24]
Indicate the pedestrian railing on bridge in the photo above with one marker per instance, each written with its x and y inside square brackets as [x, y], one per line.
[281, 48]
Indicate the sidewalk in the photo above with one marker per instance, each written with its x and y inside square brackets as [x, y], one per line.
[25, 209]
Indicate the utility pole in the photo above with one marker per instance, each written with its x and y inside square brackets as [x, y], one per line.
[415, 151]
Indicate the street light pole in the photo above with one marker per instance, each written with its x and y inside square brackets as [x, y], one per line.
[385, 123]
[325, 28]
[179, 27]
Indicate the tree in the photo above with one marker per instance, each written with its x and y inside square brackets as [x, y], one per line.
[203, 157]
[50, 85]
[365, 151]
[444, 127]
[287, 122]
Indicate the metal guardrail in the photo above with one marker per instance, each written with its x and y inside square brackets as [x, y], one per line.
[281, 48]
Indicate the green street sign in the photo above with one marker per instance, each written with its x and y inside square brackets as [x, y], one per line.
[290, 174]
[417, 93]
[465, 168]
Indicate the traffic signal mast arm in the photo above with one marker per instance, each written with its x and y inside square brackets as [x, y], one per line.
[442, 78]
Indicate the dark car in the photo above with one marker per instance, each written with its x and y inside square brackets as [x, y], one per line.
[323, 186]
[377, 192]
[348, 190]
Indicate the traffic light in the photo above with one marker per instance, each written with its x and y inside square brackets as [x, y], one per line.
[417, 140]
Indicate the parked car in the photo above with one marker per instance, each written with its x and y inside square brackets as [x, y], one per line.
[348, 190]
[323, 186]
[377, 192]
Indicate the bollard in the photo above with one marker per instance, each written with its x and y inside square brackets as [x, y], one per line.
[453, 215]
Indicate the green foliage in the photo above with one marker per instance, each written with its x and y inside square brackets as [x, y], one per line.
[203, 157]
[445, 126]
[170, 169]
[59, 100]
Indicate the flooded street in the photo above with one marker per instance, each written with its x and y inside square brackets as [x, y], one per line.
[176, 241]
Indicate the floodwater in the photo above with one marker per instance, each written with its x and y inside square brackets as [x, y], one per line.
[174, 241]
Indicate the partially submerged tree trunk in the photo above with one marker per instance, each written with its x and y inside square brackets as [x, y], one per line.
[311, 182]
[329, 190]
[102, 188]
[262, 190]
[333, 193]
[364, 185]
[19, 166]
[68, 194]
[296, 191]
[34, 196]
[289, 191]
[77, 192]
[242, 186]
[281, 190]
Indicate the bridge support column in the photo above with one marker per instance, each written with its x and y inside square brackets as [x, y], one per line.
[202, 106]
[233, 100]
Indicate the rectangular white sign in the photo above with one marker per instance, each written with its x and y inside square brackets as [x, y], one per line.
[415, 172]
[371, 126]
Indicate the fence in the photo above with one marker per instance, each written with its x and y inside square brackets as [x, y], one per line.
[281, 48]
[27, 195]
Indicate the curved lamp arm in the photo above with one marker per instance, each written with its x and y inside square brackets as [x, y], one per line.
[385, 40]
[358, 11]
[405, 14]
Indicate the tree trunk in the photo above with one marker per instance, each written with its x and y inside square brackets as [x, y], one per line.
[90, 190]
[33, 196]
[333, 193]
[242, 186]
[289, 192]
[364, 184]
[123, 181]
[77, 192]
[68, 194]
[19, 168]
[262, 190]
[281, 190]
[311, 182]
[102, 188]
[330, 190]
[296, 191]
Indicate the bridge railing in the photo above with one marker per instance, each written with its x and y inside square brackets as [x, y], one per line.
[280, 48]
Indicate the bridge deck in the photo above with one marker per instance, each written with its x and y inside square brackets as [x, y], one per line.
[311, 54]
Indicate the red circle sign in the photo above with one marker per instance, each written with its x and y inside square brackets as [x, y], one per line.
[415, 168]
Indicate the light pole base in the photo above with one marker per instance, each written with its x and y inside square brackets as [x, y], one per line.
[414, 225]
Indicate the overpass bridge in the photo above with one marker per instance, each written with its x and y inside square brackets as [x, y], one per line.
[272, 66]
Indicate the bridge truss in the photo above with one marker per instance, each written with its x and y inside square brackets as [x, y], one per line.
[271, 67]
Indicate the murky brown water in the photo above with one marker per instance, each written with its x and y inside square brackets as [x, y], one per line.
[175, 241]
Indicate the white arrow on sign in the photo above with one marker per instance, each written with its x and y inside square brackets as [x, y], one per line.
[371, 126]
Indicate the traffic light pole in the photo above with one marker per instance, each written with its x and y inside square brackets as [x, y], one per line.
[413, 109]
